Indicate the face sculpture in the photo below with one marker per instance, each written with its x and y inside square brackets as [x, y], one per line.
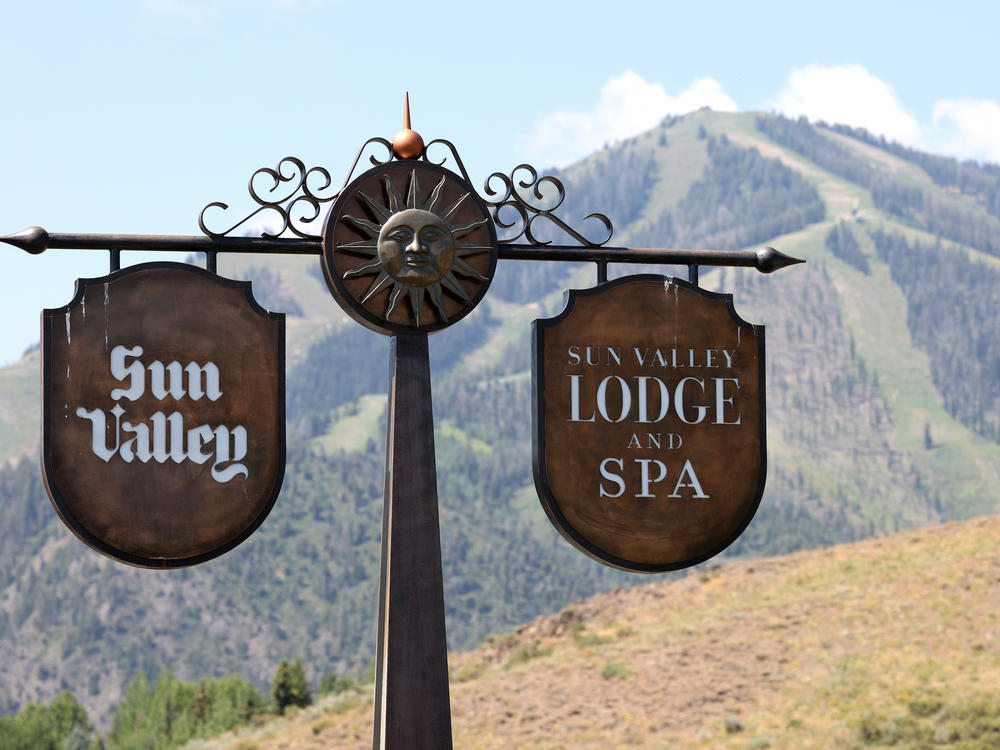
[415, 243]
[416, 247]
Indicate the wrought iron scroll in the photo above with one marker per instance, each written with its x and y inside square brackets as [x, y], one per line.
[293, 195]
[526, 202]
[454, 155]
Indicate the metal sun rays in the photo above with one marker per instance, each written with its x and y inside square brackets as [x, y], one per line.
[395, 205]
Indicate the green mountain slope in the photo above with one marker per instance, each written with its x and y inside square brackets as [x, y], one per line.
[20, 408]
[870, 425]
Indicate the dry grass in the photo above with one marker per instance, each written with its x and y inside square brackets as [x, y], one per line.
[821, 649]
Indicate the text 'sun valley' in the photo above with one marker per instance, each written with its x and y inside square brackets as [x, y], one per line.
[165, 436]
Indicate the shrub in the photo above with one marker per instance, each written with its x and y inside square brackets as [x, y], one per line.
[732, 724]
[615, 671]
[333, 683]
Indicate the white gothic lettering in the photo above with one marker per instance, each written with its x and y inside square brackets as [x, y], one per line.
[165, 436]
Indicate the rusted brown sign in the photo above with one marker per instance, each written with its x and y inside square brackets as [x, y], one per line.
[163, 423]
[649, 444]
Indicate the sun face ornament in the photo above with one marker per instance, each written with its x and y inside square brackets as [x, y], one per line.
[409, 247]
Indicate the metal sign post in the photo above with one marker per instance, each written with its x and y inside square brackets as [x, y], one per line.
[412, 707]
[408, 248]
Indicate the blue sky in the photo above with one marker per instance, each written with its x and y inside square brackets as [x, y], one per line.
[130, 116]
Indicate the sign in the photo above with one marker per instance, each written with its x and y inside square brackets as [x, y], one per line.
[163, 424]
[649, 437]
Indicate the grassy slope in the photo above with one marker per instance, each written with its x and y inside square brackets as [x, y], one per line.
[353, 425]
[801, 651]
[20, 399]
[678, 167]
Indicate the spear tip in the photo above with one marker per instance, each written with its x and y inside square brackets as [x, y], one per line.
[32, 240]
[770, 260]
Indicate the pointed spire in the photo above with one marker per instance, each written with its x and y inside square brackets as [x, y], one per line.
[407, 143]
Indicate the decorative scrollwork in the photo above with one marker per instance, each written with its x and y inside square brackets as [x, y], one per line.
[530, 199]
[293, 195]
[454, 155]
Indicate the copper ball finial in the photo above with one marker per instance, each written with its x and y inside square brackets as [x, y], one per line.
[407, 143]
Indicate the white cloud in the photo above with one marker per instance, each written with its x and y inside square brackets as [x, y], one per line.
[628, 104]
[968, 128]
[850, 95]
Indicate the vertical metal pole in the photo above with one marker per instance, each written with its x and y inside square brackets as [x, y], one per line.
[115, 260]
[412, 704]
[212, 261]
[602, 271]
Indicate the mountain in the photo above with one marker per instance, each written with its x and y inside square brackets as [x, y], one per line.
[891, 641]
[882, 380]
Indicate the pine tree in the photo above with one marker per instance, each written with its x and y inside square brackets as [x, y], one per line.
[290, 687]
[201, 703]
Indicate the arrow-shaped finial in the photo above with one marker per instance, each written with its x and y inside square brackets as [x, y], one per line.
[33, 240]
[770, 260]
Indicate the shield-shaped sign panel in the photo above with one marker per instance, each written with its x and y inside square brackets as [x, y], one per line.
[163, 425]
[649, 444]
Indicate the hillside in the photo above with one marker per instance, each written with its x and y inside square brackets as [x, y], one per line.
[882, 381]
[890, 641]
